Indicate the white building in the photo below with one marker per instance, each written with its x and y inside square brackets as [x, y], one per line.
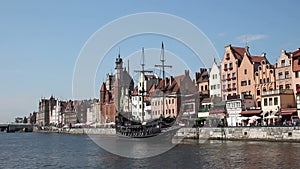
[145, 82]
[234, 108]
[54, 114]
[215, 80]
[93, 113]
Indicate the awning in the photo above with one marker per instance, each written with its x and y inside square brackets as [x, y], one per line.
[217, 111]
[288, 112]
[251, 112]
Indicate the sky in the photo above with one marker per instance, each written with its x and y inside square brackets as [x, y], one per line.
[40, 41]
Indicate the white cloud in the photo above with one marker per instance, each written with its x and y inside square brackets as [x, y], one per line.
[250, 37]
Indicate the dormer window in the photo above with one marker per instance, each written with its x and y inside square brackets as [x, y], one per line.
[263, 62]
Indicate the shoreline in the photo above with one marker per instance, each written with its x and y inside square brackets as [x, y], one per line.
[270, 134]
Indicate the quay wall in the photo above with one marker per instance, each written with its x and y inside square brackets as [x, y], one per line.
[226, 133]
[242, 133]
[98, 131]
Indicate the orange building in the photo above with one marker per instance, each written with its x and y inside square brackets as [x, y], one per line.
[246, 74]
[264, 80]
[296, 71]
[229, 68]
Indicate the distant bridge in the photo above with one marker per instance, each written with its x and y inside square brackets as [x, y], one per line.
[16, 127]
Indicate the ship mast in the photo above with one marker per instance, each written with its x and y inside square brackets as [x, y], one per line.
[162, 59]
[141, 92]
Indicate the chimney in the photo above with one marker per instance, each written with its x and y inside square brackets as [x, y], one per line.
[186, 72]
[263, 54]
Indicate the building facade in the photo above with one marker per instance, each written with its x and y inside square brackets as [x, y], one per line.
[283, 71]
[229, 69]
[215, 80]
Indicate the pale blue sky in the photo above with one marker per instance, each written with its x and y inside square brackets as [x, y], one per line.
[40, 40]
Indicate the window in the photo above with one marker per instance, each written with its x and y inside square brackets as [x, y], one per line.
[287, 86]
[218, 85]
[225, 66]
[230, 64]
[245, 71]
[280, 75]
[265, 102]
[233, 74]
[206, 87]
[270, 101]
[224, 87]
[229, 85]
[244, 83]
[228, 75]
[256, 73]
[297, 74]
[276, 101]
[201, 88]
[287, 74]
[264, 80]
[268, 80]
[234, 85]
[224, 76]
[249, 82]
[260, 80]
[280, 87]
[264, 89]
[258, 92]
[282, 63]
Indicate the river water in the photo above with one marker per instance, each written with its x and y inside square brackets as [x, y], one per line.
[41, 150]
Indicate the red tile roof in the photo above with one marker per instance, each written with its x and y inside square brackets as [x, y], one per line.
[238, 52]
[296, 53]
[257, 59]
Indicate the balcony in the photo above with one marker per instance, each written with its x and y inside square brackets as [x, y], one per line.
[230, 68]
[225, 69]
[234, 88]
[227, 58]
[278, 92]
[233, 78]
[228, 89]
[228, 79]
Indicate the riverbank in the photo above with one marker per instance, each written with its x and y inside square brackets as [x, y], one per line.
[290, 134]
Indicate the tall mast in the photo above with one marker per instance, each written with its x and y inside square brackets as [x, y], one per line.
[162, 59]
[141, 92]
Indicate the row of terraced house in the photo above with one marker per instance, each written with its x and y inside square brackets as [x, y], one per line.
[237, 88]
[246, 85]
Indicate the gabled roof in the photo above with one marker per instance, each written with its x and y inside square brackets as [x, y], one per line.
[296, 53]
[238, 52]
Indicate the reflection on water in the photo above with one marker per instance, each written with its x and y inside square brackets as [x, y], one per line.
[34, 150]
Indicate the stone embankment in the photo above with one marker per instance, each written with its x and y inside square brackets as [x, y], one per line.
[99, 131]
[242, 133]
[226, 133]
